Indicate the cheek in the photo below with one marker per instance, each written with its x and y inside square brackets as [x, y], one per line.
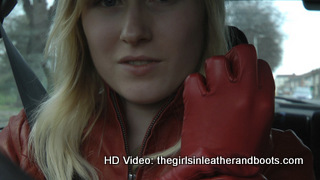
[100, 44]
[102, 38]
[185, 39]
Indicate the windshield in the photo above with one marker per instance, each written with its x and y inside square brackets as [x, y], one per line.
[284, 33]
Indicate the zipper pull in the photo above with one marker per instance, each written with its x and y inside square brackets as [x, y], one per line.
[131, 176]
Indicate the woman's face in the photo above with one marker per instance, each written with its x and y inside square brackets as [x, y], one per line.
[144, 49]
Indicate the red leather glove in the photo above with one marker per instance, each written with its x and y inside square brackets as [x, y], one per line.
[228, 114]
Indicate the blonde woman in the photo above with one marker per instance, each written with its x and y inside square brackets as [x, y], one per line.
[120, 93]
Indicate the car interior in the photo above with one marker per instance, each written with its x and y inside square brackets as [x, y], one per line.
[298, 115]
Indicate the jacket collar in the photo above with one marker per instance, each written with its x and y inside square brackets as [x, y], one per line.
[169, 118]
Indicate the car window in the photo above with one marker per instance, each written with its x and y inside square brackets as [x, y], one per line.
[27, 27]
[287, 36]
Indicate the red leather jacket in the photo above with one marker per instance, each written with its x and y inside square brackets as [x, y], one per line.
[108, 139]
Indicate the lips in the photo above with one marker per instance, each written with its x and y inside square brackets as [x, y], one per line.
[138, 60]
[139, 65]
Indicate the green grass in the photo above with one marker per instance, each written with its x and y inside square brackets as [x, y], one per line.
[9, 99]
[9, 106]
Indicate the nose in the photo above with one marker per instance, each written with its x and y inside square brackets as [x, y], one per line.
[136, 28]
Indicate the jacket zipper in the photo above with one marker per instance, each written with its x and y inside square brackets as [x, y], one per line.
[132, 176]
[153, 123]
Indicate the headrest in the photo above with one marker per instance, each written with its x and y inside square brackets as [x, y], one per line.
[236, 37]
[312, 4]
[5, 7]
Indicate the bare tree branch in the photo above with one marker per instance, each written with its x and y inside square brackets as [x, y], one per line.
[28, 8]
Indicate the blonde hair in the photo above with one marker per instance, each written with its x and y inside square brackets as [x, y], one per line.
[53, 144]
[216, 39]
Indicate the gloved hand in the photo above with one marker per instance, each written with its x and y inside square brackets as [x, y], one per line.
[228, 114]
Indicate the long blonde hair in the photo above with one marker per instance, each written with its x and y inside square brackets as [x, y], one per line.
[55, 139]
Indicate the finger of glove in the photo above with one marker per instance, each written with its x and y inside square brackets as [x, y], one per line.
[216, 72]
[265, 76]
[194, 86]
[243, 65]
[265, 94]
[265, 97]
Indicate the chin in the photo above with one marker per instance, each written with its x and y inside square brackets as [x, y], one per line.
[145, 94]
[146, 98]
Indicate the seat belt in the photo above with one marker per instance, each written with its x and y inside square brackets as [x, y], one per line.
[29, 86]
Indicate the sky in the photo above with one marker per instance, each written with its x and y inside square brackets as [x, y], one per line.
[301, 47]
